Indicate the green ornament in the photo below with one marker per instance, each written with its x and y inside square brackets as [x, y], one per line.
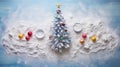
[61, 38]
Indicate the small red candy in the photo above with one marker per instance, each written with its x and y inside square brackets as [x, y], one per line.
[30, 33]
[84, 35]
[27, 38]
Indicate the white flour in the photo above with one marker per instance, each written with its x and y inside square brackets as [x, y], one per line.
[106, 40]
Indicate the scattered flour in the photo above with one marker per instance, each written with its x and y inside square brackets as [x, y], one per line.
[106, 40]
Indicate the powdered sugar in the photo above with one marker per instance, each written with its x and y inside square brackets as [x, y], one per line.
[106, 40]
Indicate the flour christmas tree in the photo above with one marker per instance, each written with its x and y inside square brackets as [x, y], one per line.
[60, 37]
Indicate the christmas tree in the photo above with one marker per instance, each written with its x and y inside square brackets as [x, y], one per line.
[60, 37]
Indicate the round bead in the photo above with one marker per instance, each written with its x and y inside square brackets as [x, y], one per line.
[82, 41]
[93, 38]
[30, 33]
[27, 38]
[20, 36]
[84, 35]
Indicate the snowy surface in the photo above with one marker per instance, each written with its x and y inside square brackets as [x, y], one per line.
[106, 40]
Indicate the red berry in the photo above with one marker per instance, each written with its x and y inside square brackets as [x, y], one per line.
[84, 35]
[27, 38]
[30, 33]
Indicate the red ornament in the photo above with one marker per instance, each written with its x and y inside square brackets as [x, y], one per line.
[65, 30]
[50, 37]
[84, 35]
[58, 11]
[62, 24]
[30, 33]
[27, 38]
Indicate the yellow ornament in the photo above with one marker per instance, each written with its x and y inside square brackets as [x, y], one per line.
[93, 38]
[58, 5]
[82, 41]
[20, 36]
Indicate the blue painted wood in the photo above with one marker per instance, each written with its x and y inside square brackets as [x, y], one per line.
[9, 6]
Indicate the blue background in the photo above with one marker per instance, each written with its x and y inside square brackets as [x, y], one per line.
[9, 6]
